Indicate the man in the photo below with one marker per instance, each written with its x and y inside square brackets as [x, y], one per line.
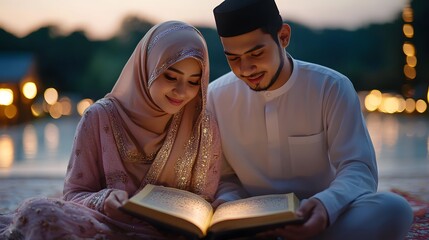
[292, 126]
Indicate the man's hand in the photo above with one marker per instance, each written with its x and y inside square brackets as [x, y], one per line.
[112, 203]
[317, 221]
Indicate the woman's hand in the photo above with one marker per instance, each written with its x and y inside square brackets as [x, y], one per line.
[112, 203]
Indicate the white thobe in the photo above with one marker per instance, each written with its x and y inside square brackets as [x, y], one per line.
[308, 137]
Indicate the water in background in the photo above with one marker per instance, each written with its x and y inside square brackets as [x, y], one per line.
[42, 148]
[401, 144]
[37, 149]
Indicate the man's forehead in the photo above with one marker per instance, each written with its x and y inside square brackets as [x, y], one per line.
[245, 43]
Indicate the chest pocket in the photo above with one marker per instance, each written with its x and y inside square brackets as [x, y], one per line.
[308, 155]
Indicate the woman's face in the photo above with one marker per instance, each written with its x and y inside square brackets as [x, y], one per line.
[177, 85]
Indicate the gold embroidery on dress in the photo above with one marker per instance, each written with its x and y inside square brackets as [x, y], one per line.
[195, 162]
[184, 164]
[164, 152]
[126, 155]
[203, 162]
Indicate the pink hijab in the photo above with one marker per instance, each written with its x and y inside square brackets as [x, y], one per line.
[180, 144]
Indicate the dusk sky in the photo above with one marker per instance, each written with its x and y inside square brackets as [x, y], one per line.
[101, 19]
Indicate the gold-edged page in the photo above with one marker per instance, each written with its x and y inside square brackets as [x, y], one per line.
[179, 203]
[252, 207]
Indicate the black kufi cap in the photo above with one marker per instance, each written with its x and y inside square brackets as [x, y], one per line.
[236, 17]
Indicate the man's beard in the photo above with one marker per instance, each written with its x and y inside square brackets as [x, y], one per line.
[275, 77]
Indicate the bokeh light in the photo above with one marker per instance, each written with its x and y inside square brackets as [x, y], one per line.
[66, 106]
[10, 111]
[56, 110]
[410, 105]
[51, 96]
[409, 49]
[37, 109]
[411, 61]
[6, 96]
[29, 90]
[52, 137]
[7, 151]
[83, 105]
[408, 30]
[409, 72]
[373, 100]
[391, 103]
[421, 106]
[29, 141]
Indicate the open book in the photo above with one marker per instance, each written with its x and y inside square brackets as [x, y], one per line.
[193, 216]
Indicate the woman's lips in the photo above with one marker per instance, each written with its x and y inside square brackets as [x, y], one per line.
[175, 102]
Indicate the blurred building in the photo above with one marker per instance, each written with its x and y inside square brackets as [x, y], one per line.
[18, 87]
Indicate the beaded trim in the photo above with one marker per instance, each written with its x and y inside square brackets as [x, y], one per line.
[97, 200]
[126, 155]
[162, 34]
[201, 169]
[164, 152]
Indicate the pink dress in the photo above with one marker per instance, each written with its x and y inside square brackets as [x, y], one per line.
[94, 170]
[124, 141]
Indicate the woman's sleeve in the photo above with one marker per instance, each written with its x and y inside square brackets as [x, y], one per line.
[85, 181]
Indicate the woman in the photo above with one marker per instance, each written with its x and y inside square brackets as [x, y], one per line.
[151, 128]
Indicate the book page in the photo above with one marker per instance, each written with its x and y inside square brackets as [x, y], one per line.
[252, 207]
[180, 203]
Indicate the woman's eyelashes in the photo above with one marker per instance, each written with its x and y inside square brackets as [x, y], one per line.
[168, 77]
[194, 83]
[173, 78]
